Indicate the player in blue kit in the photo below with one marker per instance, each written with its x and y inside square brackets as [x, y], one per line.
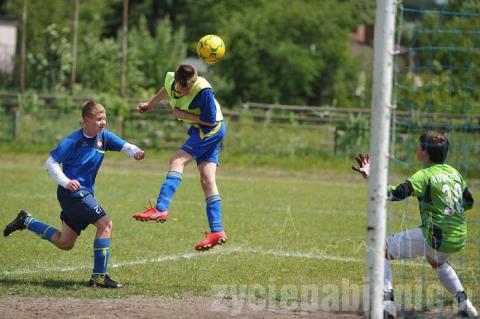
[192, 101]
[81, 155]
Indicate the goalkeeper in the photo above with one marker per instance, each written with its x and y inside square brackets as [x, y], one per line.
[192, 101]
[443, 198]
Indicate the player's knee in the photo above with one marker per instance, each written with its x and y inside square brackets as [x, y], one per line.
[207, 182]
[388, 256]
[104, 227]
[177, 163]
[107, 228]
[66, 245]
[434, 263]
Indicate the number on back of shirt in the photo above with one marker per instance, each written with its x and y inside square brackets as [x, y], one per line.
[453, 199]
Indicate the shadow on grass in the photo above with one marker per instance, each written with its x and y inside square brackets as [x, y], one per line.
[426, 315]
[46, 283]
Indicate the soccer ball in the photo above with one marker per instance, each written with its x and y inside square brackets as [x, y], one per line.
[210, 48]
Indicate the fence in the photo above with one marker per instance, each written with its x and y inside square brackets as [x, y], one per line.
[255, 129]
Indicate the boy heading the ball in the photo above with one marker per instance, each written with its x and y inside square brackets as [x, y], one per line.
[443, 198]
[192, 101]
[81, 154]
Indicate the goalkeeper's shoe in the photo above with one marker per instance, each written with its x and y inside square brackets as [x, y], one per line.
[465, 306]
[151, 214]
[212, 239]
[103, 281]
[17, 224]
[389, 309]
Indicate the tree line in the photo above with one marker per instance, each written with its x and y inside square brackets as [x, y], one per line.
[291, 52]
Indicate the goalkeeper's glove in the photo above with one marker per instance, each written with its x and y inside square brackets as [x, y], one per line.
[363, 165]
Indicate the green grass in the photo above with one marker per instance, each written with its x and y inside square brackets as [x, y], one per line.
[268, 214]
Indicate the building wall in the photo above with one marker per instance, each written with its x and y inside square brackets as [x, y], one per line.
[8, 44]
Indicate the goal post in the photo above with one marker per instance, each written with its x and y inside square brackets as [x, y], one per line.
[379, 147]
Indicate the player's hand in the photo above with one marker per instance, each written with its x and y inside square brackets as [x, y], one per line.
[73, 186]
[139, 155]
[143, 107]
[363, 165]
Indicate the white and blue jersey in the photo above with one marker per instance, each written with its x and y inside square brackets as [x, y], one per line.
[82, 156]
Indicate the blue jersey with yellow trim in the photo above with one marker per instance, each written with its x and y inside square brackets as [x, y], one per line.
[205, 101]
[82, 156]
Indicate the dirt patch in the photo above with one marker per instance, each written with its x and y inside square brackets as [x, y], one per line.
[149, 307]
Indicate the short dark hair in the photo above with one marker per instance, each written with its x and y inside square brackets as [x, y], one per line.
[436, 145]
[185, 75]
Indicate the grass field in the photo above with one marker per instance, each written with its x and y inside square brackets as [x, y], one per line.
[289, 232]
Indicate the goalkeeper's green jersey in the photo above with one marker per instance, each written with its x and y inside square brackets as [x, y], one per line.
[439, 189]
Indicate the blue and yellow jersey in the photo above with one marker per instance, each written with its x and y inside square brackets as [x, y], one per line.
[81, 156]
[200, 101]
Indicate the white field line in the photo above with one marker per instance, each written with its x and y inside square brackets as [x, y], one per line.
[223, 251]
[126, 263]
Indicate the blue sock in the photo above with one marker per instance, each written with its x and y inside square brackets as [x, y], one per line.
[214, 213]
[101, 252]
[40, 229]
[168, 190]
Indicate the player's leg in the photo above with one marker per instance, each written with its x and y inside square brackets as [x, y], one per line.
[101, 254]
[25, 220]
[212, 197]
[450, 280]
[65, 239]
[213, 206]
[174, 177]
[403, 245]
[207, 166]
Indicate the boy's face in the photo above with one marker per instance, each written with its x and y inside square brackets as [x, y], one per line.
[184, 90]
[95, 124]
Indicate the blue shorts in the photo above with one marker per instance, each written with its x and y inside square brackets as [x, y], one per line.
[205, 146]
[78, 212]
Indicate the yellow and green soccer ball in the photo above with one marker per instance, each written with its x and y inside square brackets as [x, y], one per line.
[210, 48]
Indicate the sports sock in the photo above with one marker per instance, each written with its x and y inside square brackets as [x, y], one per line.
[447, 275]
[168, 190]
[387, 278]
[42, 230]
[101, 252]
[214, 213]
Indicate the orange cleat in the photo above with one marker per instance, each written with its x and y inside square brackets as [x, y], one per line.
[212, 239]
[151, 214]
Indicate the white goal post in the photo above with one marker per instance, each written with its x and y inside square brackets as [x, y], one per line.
[379, 145]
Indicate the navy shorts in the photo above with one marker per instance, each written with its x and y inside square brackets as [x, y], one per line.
[78, 212]
[205, 146]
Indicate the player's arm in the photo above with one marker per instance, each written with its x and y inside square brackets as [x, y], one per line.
[182, 115]
[145, 106]
[394, 193]
[54, 169]
[117, 144]
[205, 101]
[133, 151]
[399, 192]
[467, 199]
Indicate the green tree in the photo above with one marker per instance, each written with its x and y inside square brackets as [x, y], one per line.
[289, 52]
[154, 55]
